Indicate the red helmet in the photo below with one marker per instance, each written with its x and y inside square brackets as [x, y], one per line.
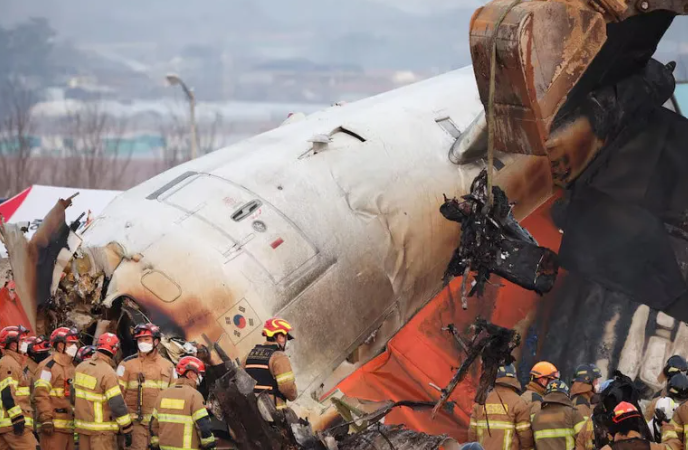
[147, 329]
[623, 411]
[84, 353]
[108, 342]
[190, 363]
[11, 334]
[277, 326]
[64, 335]
[38, 344]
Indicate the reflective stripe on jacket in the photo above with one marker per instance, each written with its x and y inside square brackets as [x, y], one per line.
[180, 419]
[558, 423]
[503, 422]
[157, 374]
[15, 392]
[52, 392]
[99, 405]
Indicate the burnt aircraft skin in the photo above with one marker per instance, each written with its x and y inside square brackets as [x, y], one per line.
[343, 241]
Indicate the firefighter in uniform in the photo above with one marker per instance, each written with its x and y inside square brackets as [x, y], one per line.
[674, 365]
[625, 429]
[180, 419]
[270, 366]
[38, 350]
[142, 377]
[84, 353]
[673, 433]
[52, 392]
[99, 410]
[558, 423]
[16, 414]
[677, 393]
[586, 382]
[540, 376]
[503, 422]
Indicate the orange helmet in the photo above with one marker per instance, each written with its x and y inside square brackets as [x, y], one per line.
[544, 369]
[108, 342]
[277, 326]
[11, 334]
[190, 363]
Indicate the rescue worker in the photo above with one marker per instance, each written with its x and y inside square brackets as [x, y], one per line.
[16, 414]
[142, 377]
[625, 429]
[558, 423]
[540, 376]
[38, 350]
[586, 438]
[99, 410]
[52, 392]
[503, 422]
[673, 433]
[84, 353]
[675, 364]
[586, 383]
[677, 393]
[270, 366]
[180, 419]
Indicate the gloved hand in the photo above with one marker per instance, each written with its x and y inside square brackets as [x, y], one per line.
[127, 439]
[661, 417]
[48, 427]
[18, 425]
[209, 445]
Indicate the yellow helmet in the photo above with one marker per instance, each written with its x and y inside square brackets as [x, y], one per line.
[275, 326]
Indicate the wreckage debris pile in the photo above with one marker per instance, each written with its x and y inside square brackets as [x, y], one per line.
[492, 241]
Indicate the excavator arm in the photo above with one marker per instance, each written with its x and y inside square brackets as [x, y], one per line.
[560, 67]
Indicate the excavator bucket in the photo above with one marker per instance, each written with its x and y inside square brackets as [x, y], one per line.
[543, 49]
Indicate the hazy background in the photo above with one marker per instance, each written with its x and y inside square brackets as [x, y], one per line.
[92, 72]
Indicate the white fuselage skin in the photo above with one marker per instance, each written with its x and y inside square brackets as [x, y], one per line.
[342, 243]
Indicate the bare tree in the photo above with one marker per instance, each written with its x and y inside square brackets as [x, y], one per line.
[208, 140]
[176, 147]
[17, 132]
[176, 137]
[97, 153]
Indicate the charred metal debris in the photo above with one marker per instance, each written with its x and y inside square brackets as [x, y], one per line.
[493, 344]
[492, 241]
[256, 424]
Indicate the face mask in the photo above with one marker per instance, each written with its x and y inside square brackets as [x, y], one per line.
[24, 347]
[145, 347]
[199, 380]
[71, 350]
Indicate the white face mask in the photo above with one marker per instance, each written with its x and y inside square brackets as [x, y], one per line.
[596, 386]
[199, 380]
[71, 350]
[24, 347]
[145, 347]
